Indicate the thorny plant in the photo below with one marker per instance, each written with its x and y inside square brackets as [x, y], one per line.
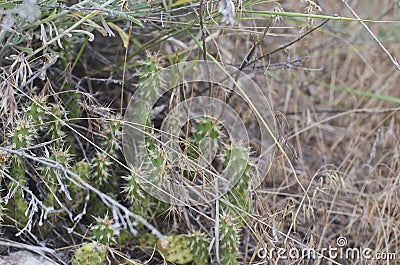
[67, 71]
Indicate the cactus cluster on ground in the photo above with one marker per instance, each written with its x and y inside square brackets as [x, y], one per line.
[63, 162]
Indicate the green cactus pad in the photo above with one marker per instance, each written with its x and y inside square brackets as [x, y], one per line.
[103, 231]
[90, 254]
[229, 240]
[199, 243]
[177, 249]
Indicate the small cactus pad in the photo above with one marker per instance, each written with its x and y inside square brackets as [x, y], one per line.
[177, 250]
[90, 254]
[199, 243]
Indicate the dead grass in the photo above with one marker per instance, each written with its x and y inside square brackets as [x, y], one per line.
[345, 146]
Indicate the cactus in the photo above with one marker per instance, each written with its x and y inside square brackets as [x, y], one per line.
[149, 67]
[55, 126]
[204, 138]
[177, 249]
[153, 151]
[199, 244]
[140, 202]
[100, 168]
[22, 136]
[36, 112]
[19, 206]
[229, 240]
[239, 195]
[81, 168]
[103, 230]
[147, 240]
[90, 254]
[55, 180]
[113, 134]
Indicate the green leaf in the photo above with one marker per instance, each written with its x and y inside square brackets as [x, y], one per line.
[135, 20]
[24, 49]
[122, 34]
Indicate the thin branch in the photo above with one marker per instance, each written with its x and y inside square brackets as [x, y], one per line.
[32, 207]
[393, 59]
[38, 249]
[336, 116]
[203, 31]
[105, 198]
[251, 52]
[284, 46]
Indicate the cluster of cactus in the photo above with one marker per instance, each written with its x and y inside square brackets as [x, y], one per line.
[90, 254]
[141, 202]
[43, 121]
[195, 247]
[183, 249]
[54, 179]
[41, 132]
[22, 136]
[24, 133]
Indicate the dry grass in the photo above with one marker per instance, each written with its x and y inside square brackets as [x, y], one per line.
[344, 146]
